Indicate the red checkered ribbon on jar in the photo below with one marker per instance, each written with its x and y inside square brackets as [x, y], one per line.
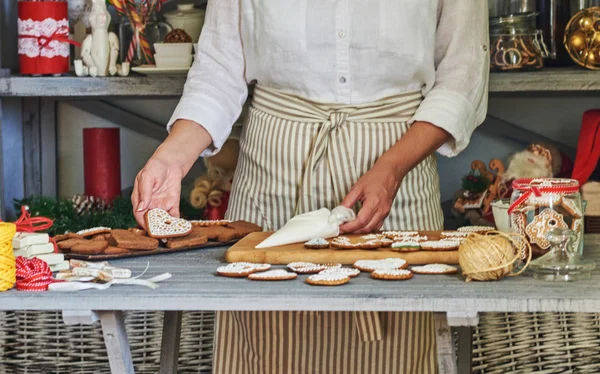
[541, 186]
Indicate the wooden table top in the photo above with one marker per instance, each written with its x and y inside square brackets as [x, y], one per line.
[195, 286]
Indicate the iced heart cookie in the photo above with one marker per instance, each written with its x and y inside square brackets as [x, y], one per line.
[331, 279]
[387, 263]
[273, 275]
[440, 245]
[317, 243]
[351, 272]
[406, 246]
[434, 269]
[391, 274]
[161, 225]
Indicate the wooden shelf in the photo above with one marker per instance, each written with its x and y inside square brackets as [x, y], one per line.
[548, 80]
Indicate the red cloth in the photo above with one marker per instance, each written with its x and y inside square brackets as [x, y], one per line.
[588, 147]
[102, 162]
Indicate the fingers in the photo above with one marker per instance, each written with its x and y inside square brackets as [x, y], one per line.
[141, 196]
[369, 219]
[174, 211]
[352, 198]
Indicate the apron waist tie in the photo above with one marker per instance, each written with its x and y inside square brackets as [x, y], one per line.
[334, 146]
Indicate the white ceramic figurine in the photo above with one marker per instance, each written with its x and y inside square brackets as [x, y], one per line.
[100, 49]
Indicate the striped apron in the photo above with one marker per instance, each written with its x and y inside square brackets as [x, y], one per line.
[297, 156]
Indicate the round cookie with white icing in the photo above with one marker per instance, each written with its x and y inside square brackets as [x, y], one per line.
[273, 275]
[237, 270]
[454, 234]
[387, 263]
[475, 229]
[434, 269]
[440, 245]
[406, 246]
[330, 279]
[391, 274]
[306, 267]
[351, 272]
[317, 243]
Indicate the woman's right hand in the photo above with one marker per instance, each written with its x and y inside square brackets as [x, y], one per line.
[157, 185]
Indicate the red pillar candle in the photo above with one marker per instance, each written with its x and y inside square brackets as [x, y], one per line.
[102, 162]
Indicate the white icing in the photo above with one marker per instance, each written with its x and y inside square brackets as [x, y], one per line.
[475, 229]
[388, 263]
[440, 244]
[210, 222]
[392, 272]
[434, 268]
[328, 277]
[303, 267]
[317, 241]
[235, 269]
[454, 234]
[401, 233]
[405, 244]
[161, 223]
[94, 229]
[416, 238]
[273, 274]
[350, 272]
[371, 237]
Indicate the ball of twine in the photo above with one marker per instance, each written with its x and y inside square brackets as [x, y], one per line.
[493, 256]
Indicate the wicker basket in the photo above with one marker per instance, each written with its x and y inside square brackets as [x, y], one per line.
[39, 342]
[592, 224]
[511, 343]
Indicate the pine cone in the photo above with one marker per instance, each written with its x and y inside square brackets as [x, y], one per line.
[83, 204]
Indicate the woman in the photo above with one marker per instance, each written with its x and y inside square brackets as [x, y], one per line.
[352, 99]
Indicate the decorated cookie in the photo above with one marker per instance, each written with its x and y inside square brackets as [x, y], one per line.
[363, 242]
[577, 227]
[571, 207]
[93, 231]
[306, 267]
[391, 274]
[440, 245]
[351, 272]
[542, 224]
[399, 234]
[406, 246]
[222, 222]
[238, 269]
[434, 269]
[273, 275]
[476, 229]
[454, 234]
[387, 263]
[330, 279]
[161, 224]
[317, 243]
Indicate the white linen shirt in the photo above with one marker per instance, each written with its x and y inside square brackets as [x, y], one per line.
[342, 51]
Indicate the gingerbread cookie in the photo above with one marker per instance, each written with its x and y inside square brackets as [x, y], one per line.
[351, 272]
[94, 231]
[137, 231]
[306, 267]
[316, 243]
[237, 270]
[440, 245]
[273, 275]
[63, 237]
[406, 246]
[434, 269]
[70, 243]
[577, 227]
[362, 242]
[128, 240]
[110, 250]
[90, 247]
[387, 263]
[542, 224]
[571, 208]
[194, 239]
[399, 234]
[161, 225]
[222, 222]
[415, 238]
[331, 279]
[454, 234]
[475, 229]
[391, 274]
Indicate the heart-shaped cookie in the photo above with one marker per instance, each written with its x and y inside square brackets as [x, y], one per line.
[162, 225]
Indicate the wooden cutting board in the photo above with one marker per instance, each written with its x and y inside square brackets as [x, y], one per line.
[245, 250]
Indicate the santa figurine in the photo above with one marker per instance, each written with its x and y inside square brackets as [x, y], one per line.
[538, 161]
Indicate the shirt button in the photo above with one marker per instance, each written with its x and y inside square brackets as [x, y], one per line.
[341, 34]
[485, 48]
[342, 79]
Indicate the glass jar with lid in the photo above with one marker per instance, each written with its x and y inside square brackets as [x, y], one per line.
[541, 205]
[516, 44]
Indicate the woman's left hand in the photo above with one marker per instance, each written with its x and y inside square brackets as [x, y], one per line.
[376, 191]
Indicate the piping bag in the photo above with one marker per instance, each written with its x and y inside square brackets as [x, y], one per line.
[321, 223]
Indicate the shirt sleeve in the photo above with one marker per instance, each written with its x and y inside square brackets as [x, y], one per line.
[216, 87]
[458, 99]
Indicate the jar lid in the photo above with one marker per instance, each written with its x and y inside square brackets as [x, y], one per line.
[186, 11]
[513, 19]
